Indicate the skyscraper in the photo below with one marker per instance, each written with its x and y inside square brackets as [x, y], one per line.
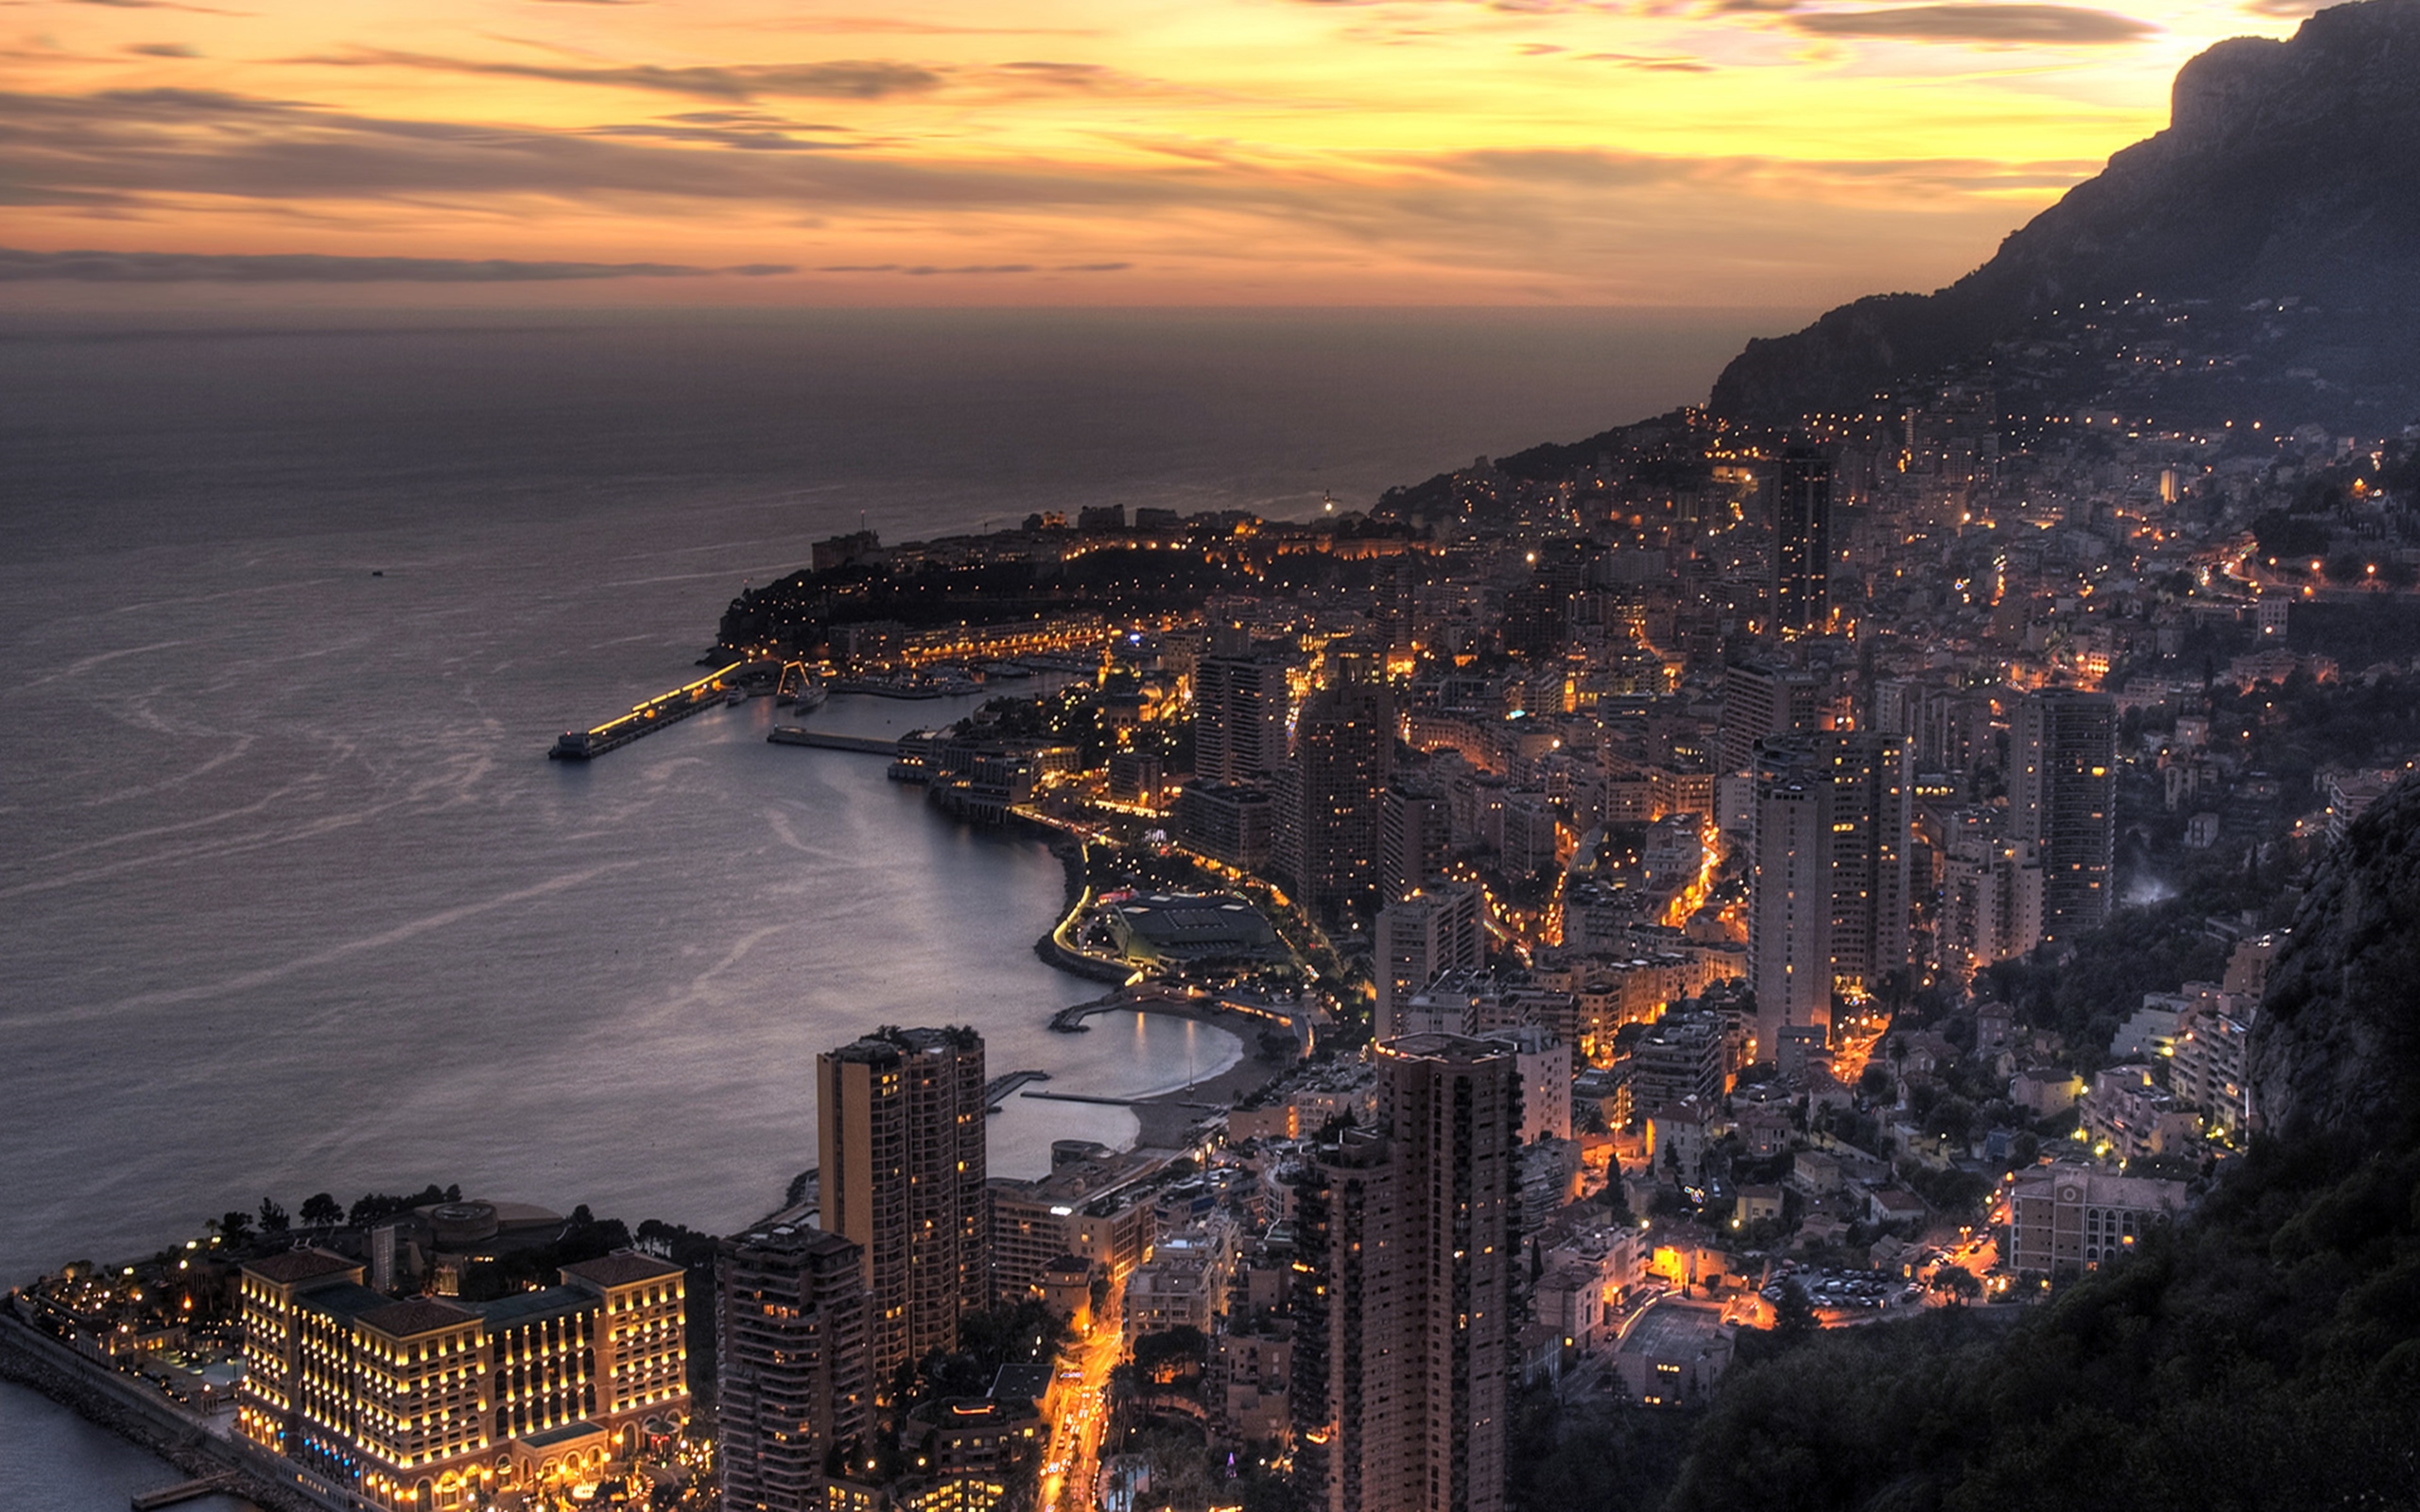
[1801, 490]
[2063, 796]
[794, 1384]
[1760, 701]
[1415, 838]
[1344, 745]
[1238, 712]
[1433, 931]
[1827, 890]
[1789, 894]
[1403, 1289]
[899, 1119]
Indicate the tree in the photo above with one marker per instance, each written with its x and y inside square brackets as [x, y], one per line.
[273, 1219]
[1794, 1315]
[236, 1226]
[1957, 1281]
[321, 1211]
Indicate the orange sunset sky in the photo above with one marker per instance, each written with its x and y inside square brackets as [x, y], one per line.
[1738, 152]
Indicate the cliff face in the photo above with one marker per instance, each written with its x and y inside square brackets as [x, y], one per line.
[2288, 168]
[2337, 1048]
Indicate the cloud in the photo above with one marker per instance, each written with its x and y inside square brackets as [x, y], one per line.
[2004, 24]
[161, 4]
[300, 267]
[930, 271]
[846, 80]
[2292, 9]
[844, 25]
[1650, 62]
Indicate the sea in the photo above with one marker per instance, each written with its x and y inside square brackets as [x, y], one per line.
[292, 605]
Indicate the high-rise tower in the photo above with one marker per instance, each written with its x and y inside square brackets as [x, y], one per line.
[1435, 929]
[1344, 745]
[793, 1380]
[2063, 797]
[1801, 559]
[1238, 712]
[899, 1119]
[1828, 904]
[1403, 1289]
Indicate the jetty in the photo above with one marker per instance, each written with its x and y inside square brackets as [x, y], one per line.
[821, 740]
[711, 691]
[228, 1481]
[996, 1090]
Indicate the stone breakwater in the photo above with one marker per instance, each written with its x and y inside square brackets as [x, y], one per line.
[98, 1396]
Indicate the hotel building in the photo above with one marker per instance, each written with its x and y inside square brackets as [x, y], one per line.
[429, 1402]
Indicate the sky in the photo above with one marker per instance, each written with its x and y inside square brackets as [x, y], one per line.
[1113, 152]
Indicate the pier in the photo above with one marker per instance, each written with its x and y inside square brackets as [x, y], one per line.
[865, 744]
[709, 692]
[995, 1091]
[185, 1491]
[1084, 1097]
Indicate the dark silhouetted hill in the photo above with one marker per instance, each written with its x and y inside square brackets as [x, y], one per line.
[2288, 168]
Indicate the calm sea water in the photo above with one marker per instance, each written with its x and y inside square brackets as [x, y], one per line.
[289, 900]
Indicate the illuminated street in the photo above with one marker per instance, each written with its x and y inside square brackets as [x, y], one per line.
[1075, 1432]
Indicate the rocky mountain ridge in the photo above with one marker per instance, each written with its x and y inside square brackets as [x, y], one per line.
[2290, 170]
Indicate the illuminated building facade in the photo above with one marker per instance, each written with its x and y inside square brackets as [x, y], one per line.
[899, 1116]
[1801, 521]
[1827, 891]
[2063, 797]
[1344, 745]
[425, 1402]
[1238, 712]
[794, 1387]
[1403, 1307]
[1420, 939]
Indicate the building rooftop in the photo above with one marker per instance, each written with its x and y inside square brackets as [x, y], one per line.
[1021, 1383]
[346, 1300]
[795, 1239]
[300, 1265]
[624, 1267]
[421, 1314]
[523, 1307]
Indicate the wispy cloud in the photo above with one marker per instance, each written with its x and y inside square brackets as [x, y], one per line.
[2004, 24]
[842, 80]
[302, 268]
[931, 270]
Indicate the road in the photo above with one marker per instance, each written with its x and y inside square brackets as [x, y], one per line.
[1071, 1472]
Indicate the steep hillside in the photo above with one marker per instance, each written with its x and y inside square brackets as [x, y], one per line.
[2288, 169]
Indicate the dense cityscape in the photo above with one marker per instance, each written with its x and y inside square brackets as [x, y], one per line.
[1848, 947]
[1682, 893]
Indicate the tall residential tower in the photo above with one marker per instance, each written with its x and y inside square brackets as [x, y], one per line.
[899, 1119]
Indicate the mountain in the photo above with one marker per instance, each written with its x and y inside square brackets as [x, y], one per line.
[2290, 170]
[2336, 1052]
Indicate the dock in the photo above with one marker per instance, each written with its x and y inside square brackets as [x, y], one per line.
[799, 735]
[996, 1090]
[1084, 1097]
[185, 1491]
[711, 691]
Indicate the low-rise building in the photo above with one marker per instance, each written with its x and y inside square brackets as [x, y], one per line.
[2066, 1217]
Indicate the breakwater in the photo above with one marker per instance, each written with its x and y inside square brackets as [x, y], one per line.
[131, 1411]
